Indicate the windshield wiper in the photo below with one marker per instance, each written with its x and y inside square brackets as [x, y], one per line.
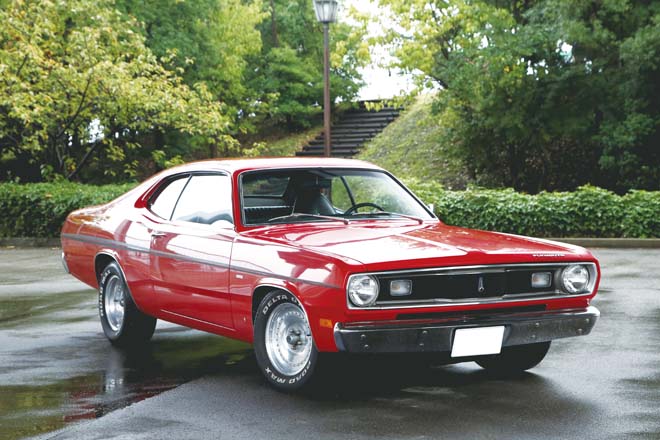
[300, 214]
[395, 214]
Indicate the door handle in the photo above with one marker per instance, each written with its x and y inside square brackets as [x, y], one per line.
[158, 234]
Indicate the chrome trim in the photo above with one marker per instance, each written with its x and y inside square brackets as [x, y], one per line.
[64, 263]
[437, 336]
[336, 333]
[349, 283]
[593, 274]
[473, 270]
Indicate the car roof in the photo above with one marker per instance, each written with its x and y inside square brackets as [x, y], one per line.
[246, 164]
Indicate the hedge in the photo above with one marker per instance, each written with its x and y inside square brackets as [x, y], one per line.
[587, 212]
[38, 210]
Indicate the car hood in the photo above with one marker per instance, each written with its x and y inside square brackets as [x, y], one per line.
[426, 245]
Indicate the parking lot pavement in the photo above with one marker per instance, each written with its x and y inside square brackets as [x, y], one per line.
[55, 369]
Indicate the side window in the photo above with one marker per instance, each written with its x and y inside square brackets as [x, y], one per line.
[206, 199]
[166, 198]
[340, 198]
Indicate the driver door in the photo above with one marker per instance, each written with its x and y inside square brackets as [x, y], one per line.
[191, 252]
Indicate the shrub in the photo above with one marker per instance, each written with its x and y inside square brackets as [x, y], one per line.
[587, 212]
[39, 209]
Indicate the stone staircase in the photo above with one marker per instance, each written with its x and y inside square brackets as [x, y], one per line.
[351, 131]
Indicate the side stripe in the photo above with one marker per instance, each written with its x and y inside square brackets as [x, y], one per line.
[124, 246]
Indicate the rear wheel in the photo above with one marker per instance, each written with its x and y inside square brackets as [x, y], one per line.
[515, 359]
[283, 342]
[123, 324]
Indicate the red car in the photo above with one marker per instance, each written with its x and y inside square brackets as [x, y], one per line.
[303, 256]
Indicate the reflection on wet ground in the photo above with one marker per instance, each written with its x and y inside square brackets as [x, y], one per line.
[124, 378]
[56, 368]
[55, 365]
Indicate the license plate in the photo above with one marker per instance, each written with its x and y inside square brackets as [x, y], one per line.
[477, 341]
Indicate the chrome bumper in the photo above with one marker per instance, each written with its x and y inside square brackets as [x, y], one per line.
[437, 336]
[64, 263]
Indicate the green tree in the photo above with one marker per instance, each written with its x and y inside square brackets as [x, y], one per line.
[80, 90]
[212, 40]
[544, 94]
[287, 76]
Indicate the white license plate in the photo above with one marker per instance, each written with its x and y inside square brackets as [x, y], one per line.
[477, 341]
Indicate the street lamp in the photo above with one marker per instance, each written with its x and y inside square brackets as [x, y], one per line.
[326, 13]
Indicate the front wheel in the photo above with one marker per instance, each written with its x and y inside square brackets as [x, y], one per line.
[283, 342]
[123, 323]
[515, 359]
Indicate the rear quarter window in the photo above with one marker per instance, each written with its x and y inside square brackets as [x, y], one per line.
[163, 203]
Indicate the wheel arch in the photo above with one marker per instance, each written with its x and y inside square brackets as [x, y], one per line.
[261, 290]
[101, 261]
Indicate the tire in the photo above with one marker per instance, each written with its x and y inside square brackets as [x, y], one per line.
[280, 329]
[123, 324]
[515, 359]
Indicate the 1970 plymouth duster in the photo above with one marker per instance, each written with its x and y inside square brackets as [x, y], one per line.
[303, 256]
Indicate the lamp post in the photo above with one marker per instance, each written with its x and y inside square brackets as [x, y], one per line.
[326, 13]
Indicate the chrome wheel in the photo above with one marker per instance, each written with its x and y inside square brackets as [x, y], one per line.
[288, 339]
[114, 302]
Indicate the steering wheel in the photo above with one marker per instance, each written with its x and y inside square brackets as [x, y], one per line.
[357, 206]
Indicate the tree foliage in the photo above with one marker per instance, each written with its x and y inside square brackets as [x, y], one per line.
[211, 40]
[287, 76]
[540, 94]
[78, 87]
[106, 90]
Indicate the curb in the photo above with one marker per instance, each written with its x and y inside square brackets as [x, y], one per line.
[29, 242]
[621, 243]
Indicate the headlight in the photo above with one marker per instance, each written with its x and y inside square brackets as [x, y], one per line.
[363, 290]
[575, 278]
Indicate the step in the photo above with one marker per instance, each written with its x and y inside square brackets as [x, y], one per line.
[357, 137]
[334, 147]
[364, 121]
[335, 153]
[355, 132]
[339, 142]
[360, 126]
[364, 110]
[368, 117]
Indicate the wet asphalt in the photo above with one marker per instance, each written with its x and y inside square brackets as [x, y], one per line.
[60, 379]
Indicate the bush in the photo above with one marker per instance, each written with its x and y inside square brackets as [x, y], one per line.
[587, 212]
[39, 209]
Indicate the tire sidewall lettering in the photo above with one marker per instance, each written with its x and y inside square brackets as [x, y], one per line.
[104, 277]
[276, 378]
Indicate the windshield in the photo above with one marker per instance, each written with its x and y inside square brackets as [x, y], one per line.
[318, 194]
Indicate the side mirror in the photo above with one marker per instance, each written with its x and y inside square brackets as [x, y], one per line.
[431, 207]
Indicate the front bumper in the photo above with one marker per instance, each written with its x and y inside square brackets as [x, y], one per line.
[437, 336]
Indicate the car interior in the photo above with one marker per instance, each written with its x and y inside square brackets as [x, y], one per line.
[266, 197]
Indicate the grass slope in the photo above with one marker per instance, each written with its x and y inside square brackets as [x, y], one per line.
[410, 146]
[277, 143]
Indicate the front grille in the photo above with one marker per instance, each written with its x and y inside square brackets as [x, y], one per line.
[468, 284]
